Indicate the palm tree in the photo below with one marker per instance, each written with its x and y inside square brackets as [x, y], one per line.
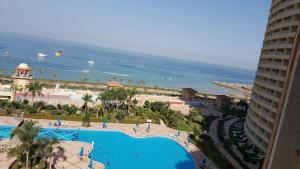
[3, 72]
[142, 83]
[84, 78]
[35, 88]
[99, 108]
[87, 99]
[42, 72]
[131, 93]
[47, 147]
[26, 134]
[15, 89]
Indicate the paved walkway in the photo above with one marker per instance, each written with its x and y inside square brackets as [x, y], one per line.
[156, 130]
[213, 129]
[71, 160]
[228, 124]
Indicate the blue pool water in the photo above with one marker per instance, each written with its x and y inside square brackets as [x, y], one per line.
[122, 151]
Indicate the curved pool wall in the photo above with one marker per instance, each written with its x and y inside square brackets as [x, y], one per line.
[117, 150]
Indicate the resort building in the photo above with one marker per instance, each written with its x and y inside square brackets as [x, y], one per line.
[22, 76]
[5, 92]
[271, 120]
[188, 94]
[113, 84]
[223, 100]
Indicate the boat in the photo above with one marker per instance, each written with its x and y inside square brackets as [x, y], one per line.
[40, 54]
[6, 54]
[91, 62]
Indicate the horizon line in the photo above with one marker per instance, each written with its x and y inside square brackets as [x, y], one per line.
[128, 51]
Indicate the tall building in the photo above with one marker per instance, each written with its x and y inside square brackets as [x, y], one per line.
[284, 145]
[272, 70]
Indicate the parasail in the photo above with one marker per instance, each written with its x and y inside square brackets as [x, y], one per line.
[58, 53]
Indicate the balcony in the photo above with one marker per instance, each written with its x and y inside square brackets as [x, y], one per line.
[262, 113]
[265, 94]
[280, 35]
[254, 140]
[289, 12]
[282, 5]
[277, 45]
[262, 134]
[282, 24]
[270, 106]
[273, 65]
[255, 129]
[271, 75]
[268, 85]
[275, 55]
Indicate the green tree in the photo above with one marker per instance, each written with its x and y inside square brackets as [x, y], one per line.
[35, 88]
[120, 114]
[99, 110]
[131, 93]
[3, 72]
[16, 88]
[26, 134]
[147, 104]
[86, 99]
[196, 116]
[46, 149]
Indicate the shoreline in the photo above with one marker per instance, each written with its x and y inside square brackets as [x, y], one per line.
[96, 86]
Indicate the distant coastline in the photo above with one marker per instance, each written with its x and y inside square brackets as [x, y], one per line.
[127, 67]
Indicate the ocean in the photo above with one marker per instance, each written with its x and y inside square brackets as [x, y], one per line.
[102, 64]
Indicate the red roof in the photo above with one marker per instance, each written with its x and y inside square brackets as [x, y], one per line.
[114, 84]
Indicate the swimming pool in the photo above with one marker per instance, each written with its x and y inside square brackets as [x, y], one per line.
[121, 151]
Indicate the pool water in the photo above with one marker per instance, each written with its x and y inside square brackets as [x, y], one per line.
[117, 150]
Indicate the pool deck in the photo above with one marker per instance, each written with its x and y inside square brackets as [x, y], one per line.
[155, 130]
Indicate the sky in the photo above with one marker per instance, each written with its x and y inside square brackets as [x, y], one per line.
[226, 32]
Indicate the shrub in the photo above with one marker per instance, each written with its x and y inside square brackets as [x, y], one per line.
[39, 105]
[120, 115]
[86, 120]
[50, 107]
[147, 104]
[25, 101]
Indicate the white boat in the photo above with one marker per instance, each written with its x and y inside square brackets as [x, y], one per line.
[41, 54]
[91, 62]
[6, 54]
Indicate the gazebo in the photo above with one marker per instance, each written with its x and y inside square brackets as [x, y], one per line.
[22, 76]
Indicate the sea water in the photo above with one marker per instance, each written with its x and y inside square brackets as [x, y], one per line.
[101, 64]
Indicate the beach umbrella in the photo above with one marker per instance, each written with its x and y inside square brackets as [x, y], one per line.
[91, 163]
[137, 124]
[81, 152]
[189, 139]
[178, 133]
[149, 126]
